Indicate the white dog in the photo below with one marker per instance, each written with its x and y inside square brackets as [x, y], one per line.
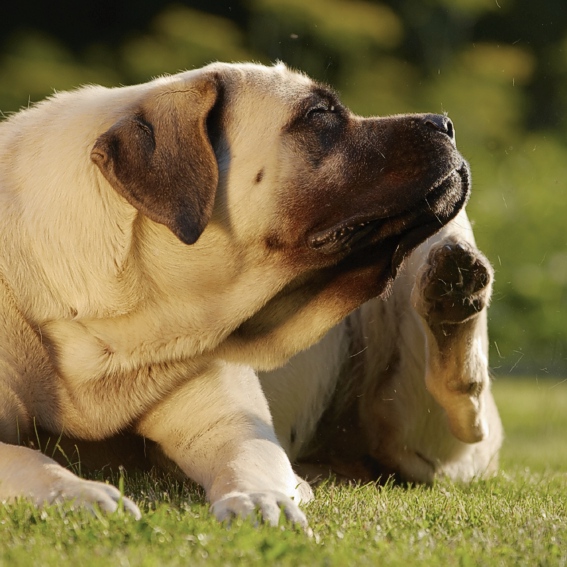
[163, 242]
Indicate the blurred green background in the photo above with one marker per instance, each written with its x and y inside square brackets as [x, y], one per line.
[497, 67]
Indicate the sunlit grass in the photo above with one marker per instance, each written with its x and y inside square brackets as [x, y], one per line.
[518, 518]
[534, 413]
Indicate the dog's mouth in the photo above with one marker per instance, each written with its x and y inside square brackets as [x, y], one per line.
[409, 227]
[344, 236]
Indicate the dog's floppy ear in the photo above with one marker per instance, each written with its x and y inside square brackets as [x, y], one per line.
[159, 156]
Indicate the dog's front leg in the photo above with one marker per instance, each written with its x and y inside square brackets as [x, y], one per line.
[27, 394]
[451, 294]
[217, 428]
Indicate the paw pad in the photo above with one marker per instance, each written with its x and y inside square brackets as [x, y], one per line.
[454, 283]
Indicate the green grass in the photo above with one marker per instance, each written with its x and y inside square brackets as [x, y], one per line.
[518, 518]
[534, 413]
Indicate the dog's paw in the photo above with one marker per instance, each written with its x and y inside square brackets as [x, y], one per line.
[454, 284]
[26, 473]
[269, 504]
[91, 495]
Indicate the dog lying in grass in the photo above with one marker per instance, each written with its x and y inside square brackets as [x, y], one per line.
[162, 243]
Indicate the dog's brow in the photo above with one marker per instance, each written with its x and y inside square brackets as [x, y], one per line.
[321, 91]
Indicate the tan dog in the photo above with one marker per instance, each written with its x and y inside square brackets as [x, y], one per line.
[401, 387]
[162, 242]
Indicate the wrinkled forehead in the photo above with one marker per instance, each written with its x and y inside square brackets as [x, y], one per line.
[250, 90]
[278, 80]
[269, 93]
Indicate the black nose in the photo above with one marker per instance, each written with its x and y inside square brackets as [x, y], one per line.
[440, 123]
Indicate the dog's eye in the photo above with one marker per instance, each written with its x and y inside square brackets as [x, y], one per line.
[322, 109]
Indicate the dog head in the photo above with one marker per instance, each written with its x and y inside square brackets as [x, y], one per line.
[244, 139]
[290, 176]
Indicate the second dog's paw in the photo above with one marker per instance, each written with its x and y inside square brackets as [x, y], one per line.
[269, 504]
[454, 284]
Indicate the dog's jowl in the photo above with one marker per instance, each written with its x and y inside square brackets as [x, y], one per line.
[163, 243]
